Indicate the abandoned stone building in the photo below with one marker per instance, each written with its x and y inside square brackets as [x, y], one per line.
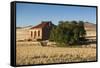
[41, 31]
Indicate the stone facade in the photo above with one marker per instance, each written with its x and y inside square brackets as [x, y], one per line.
[36, 33]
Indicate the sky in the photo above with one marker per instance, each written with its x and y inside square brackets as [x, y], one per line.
[32, 14]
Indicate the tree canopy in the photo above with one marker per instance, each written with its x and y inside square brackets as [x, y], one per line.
[68, 32]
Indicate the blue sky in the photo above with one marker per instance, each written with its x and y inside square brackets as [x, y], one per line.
[33, 14]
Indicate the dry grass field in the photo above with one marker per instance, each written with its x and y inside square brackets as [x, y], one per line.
[27, 54]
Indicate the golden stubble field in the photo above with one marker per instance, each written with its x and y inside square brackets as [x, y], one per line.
[27, 54]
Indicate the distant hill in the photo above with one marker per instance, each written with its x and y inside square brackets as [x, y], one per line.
[18, 27]
[26, 27]
[90, 26]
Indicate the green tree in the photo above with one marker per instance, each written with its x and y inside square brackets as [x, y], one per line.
[82, 29]
[68, 32]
